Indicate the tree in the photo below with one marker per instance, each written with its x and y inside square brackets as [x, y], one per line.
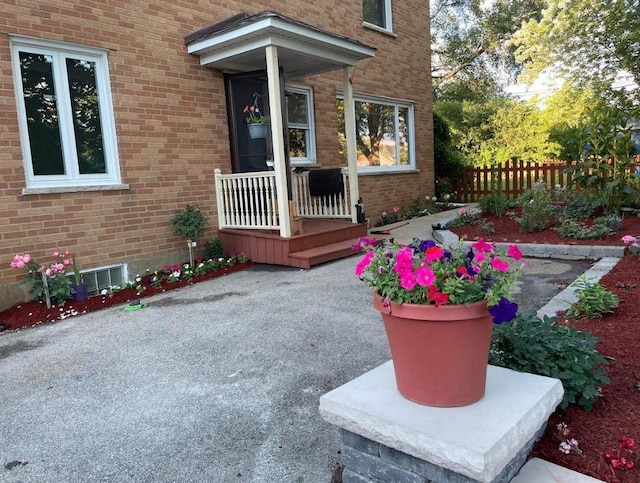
[470, 37]
[590, 42]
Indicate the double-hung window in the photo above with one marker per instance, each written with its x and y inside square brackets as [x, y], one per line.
[384, 134]
[377, 14]
[301, 126]
[65, 114]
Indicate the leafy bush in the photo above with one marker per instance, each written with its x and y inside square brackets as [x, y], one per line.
[602, 226]
[213, 249]
[494, 203]
[465, 218]
[594, 300]
[529, 344]
[189, 222]
[576, 205]
[537, 209]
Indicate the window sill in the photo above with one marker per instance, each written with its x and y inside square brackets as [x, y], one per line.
[387, 171]
[73, 189]
[377, 28]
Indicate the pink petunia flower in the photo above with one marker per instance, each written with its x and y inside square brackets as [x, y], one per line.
[364, 263]
[408, 280]
[629, 239]
[500, 265]
[482, 246]
[514, 252]
[404, 261]
[425, 276]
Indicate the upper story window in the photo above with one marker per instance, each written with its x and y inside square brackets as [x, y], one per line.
[384, 134]
[302, 144]
[377, 13]
[65, 114]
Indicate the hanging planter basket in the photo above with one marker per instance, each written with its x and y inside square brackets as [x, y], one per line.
[257, 131]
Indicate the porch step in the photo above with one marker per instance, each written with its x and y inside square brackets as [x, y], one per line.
[322, 254]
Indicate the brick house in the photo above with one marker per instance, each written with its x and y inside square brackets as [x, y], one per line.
[114, 114]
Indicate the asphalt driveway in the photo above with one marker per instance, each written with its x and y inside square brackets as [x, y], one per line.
[218, 382]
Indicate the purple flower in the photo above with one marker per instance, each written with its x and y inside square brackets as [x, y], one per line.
[504, 311]
[426, 244]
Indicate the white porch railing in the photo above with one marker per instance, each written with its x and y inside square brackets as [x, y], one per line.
[332, 206]
[247, 200]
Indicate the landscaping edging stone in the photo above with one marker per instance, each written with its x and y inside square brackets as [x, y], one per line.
[568, 252]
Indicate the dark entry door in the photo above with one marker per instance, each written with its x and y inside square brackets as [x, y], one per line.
[242, 90]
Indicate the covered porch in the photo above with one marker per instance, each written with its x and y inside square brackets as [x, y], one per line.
[270, 210]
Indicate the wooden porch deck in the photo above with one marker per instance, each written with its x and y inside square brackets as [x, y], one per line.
[321, 240]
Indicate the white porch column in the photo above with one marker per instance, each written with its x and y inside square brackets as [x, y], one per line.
[350, 134]
[275, 112]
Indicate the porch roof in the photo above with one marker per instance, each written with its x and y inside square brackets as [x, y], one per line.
[238, 43]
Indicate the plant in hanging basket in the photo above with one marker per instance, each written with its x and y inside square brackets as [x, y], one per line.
[424, 273]
[254, 116]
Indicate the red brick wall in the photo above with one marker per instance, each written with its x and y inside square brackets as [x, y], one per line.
[171, 121]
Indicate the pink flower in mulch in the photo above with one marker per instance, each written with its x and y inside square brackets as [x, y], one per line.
[514, 252]
[629, 239]
[498, 264]
[364, 263]
[627, 443]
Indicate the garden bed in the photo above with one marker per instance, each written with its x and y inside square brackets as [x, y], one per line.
[508, 230]
[614, 415]
[28, 314]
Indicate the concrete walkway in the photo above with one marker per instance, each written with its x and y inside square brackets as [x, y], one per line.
[218, 382]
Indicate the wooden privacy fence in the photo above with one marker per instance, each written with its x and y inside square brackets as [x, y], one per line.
[515, 176]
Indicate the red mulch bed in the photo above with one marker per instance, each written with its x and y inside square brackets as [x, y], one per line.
[507, 230]
[28, 314]
[617, 412]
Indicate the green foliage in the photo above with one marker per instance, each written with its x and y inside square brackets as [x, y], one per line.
[587, 41]
[529, 344]
[59, 287]
[537, 210]
[520, 130]
[601, 147]
[601, 227]
[594, 301]
[189, 223]
[576, 206]
[465, 218]
[469, 37]
[449, 164]
[213, 249]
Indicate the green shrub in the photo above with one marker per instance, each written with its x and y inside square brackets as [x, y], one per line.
[494, 203]
[528, 344]
[602, 226]
[594, 300]
[537, 209]
[465, 219]
[576, 205]
[213, 249]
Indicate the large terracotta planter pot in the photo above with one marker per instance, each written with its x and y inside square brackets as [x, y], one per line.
[440, 354]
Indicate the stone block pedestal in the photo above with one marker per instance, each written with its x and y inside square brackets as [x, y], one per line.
[386, 438]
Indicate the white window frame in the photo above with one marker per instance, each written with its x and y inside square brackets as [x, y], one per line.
[396, 103]
[311, 138]
[60, 51]
[388, 20]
